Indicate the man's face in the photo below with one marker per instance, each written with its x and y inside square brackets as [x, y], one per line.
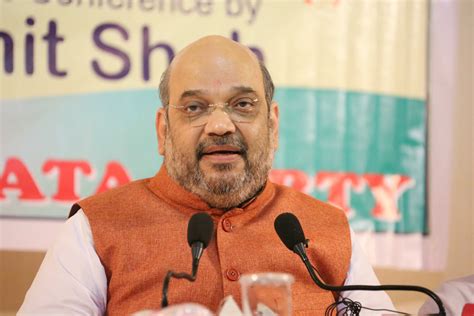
[224, 162]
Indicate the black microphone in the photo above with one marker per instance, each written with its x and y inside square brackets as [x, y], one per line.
[200, 230]
[289, 230]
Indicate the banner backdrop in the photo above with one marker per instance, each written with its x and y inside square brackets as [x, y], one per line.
[79, 95]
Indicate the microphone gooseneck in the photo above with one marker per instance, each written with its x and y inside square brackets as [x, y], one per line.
[200, 230]
[291, 234]
[197, 248]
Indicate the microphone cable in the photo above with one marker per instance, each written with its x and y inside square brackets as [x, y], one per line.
[354, 308]
[291, 234]
[177, 275]
[333, 288]
[200, 230]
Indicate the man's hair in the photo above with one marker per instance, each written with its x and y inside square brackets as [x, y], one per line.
[267, 84]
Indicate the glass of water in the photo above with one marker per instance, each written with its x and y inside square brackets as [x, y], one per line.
[266, 294]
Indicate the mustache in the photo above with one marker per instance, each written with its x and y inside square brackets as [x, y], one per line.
[232, 140]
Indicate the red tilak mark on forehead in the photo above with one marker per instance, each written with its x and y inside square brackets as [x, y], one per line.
[218, 83]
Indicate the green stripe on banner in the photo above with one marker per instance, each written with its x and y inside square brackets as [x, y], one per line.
[364, 152]
[363, 138]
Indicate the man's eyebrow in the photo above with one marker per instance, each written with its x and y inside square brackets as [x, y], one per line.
[243, 89]
[191, 93]
[199, 92]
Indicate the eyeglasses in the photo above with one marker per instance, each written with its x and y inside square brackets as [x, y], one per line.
[240, 110]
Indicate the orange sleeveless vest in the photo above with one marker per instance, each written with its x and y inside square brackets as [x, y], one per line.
[139, 233]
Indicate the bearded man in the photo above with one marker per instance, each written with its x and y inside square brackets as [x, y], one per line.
[218, 132]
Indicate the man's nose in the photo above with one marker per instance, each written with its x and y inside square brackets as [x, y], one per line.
[219, 123]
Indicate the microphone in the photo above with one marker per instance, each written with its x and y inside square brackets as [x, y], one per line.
[289, 230]
[200, 230]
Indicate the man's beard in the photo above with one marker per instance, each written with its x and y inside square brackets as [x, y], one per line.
[223, 189]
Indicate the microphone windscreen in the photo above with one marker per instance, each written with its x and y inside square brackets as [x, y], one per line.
[289, 230]
[200, 228]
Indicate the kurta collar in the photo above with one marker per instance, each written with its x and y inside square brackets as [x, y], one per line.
[171, 192]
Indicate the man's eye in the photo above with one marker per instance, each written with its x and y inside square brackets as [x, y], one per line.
[245, 104]
[194, 108]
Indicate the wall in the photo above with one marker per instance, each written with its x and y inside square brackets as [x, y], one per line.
[456, 123]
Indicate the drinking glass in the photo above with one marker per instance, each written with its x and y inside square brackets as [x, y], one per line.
[266, 294]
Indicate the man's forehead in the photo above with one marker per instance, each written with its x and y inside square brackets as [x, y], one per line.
[214, 46]
[215, 63]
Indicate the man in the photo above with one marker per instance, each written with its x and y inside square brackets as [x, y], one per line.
[217, 131]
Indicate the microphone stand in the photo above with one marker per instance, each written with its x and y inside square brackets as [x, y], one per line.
[299, 249]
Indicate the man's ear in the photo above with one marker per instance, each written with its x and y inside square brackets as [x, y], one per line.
[274, 120]
[161, 125]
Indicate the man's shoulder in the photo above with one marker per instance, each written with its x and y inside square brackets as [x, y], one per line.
[113, 197]
[305, 204]
[122, 191]
[304, 198]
